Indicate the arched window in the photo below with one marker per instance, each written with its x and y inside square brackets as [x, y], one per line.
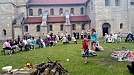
[106, 2]
[30, 12]
[50, 28]
[82, 10]
[26, 28]
[39, 12]
[83, 27]
[72, 11]
[121, 25]
[4, 32]
[51, 11]
[61, 11]
[73, 27]
[38, 28]
[61, 27]
[117, 2]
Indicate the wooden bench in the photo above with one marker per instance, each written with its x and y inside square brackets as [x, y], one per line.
[3, 51]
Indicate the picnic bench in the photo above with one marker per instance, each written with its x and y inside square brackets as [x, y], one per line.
[3, 51]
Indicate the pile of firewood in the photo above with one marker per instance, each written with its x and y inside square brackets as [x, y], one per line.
[50, 68]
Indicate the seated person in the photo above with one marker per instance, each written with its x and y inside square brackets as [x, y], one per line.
[33, 41]
[7, 46]
[14, 45]
[25, 44]
[29, 43]
[21, 45]
[40, 42]
[64, 39]
[73, 39]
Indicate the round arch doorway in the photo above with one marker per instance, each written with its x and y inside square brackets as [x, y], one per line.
[106, 28]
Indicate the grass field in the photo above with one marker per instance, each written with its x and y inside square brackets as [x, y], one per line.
[102, 64]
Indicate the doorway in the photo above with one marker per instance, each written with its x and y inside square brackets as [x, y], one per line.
[106, 28]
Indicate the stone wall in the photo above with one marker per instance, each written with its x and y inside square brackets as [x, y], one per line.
[6, 17]
[114, 15]
[56, 28]
[77, 9]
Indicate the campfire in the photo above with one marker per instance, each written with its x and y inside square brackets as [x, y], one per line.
[50, 68]
[123, 55]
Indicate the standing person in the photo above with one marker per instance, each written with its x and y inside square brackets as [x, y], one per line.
[82, 35]
[74, 34]
[93, 39]
[18, 39]
[85, 48]
[85, 33]
[106, 38]
[119, 36]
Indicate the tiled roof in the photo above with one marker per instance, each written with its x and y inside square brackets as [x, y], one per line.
[33, 20]
[56, 19]
[78, 18]
[57, 1]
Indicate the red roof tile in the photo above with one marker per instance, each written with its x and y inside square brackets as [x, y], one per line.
[78, 18]
[56, 19]
[57, 1]
[33, 20]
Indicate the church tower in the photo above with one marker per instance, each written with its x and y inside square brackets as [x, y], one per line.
[9, 11]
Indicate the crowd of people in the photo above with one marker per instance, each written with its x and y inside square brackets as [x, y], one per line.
[117, 38]
[113, 38]
[28, 42]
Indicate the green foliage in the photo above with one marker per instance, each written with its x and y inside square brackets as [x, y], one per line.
[102, 64]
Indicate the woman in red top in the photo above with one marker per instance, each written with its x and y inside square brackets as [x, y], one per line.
[85, 48]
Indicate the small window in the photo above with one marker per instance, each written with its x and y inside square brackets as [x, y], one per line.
[117, 2]
[82, 11]
[61, 11]
[121, 26]
[26, 28]
[51, 11]
[39, 12]
[72, 11]
[50, 28]
[38, 28]
[73, 27]
[61, 27]
[83, 27]
[30, 12]
[106, 2]
[4, 32]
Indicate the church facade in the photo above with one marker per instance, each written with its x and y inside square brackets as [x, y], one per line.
[39, 17]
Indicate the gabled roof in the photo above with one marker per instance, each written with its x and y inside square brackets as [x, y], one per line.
[47, 2]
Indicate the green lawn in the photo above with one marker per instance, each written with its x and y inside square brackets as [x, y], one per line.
[102, 64]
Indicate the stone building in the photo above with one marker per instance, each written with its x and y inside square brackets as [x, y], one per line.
[38, 17]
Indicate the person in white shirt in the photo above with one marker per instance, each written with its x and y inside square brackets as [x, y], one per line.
[106, 38]
[75, 41]
[25, 44]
